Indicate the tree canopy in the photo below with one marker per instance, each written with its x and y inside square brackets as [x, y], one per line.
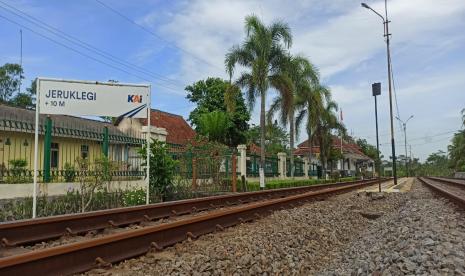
[457, 152]
[215, 94]
[368, 149]
[11, 76]
[276, 138]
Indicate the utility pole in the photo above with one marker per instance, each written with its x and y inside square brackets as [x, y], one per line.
[388, 51]
[20, 58]
[404, 126]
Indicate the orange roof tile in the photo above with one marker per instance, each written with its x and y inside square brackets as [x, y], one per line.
[179, 131]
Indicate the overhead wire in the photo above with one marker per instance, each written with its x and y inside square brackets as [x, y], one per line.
[84, 54]
[87, 46]
[147, 30]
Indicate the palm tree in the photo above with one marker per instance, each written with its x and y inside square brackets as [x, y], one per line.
[214, 126]
[310, 103]
[326, 123]
[463, 116]
[300, 73]
[263, 52]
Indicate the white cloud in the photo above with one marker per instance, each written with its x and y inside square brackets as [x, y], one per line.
[341, 38]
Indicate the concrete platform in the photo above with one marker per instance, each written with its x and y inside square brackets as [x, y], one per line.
[403, 185]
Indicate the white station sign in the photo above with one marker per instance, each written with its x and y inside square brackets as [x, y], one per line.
[80, 98]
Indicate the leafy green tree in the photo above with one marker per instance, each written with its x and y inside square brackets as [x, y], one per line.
[276, 138]
[437, 164]
[215, 94]
[10, 80]
[370, 151]
[457, 152]
[24, 100]
[263, 53]
[300, 74]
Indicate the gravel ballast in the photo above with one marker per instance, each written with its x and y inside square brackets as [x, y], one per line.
[393, 233]
[426, 236]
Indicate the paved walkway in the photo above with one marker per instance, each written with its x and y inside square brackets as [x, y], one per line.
[403, 185]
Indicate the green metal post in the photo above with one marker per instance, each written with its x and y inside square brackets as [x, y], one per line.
[47, 148]
[227, 166]
[106, 142]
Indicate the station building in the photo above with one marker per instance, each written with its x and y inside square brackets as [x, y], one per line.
[353, 161]
[76, 137]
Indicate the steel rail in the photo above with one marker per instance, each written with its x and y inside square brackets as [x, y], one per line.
[41, 229]
[444, 192]
[85, 255]
[456, 182]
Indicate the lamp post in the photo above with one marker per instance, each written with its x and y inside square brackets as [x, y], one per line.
[376, 90]
[387, 34]
[404, 126]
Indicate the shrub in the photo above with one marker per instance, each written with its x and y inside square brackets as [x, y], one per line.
[18, 167]
[69, 172]
[162, 169]
[336, 175]
[134, 197]
[18, 171]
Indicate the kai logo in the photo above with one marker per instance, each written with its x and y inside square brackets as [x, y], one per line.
[134, 98]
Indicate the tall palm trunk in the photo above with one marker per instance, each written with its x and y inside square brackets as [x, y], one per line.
[291, 140]
[310, 144]
[322, 155]
[262, 131]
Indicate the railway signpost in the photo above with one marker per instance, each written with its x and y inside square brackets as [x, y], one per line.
[376, 91]
[90, 98]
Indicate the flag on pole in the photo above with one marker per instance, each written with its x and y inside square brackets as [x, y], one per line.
[341, 137]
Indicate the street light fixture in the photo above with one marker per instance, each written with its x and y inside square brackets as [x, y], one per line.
[387, 34]
[404, 126]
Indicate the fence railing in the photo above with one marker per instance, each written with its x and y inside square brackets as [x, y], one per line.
[253, 165]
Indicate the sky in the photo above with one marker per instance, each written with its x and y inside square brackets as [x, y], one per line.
[176, 43]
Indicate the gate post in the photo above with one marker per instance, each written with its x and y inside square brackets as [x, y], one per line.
[105, 143]
[243, 160]
[47, 148]
[194, 173]
[282, 165]
[234, 172]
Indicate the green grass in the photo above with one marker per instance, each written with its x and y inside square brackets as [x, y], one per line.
[288, 183]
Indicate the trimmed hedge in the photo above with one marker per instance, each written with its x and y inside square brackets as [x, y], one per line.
[277, 184]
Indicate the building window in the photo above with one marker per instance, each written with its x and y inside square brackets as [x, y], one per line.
[84, 151]
[54, 156]
[117, 153]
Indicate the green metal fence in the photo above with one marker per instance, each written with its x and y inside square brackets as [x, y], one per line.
[253, 165]
[204, 170]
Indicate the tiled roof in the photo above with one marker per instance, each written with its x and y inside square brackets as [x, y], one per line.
[253, 148]
[347, 148]
[23, 120]
[179, 131]
[306, 150]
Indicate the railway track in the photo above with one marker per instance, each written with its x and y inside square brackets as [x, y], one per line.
[97, 252]
[453, 189]
[26, 232]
